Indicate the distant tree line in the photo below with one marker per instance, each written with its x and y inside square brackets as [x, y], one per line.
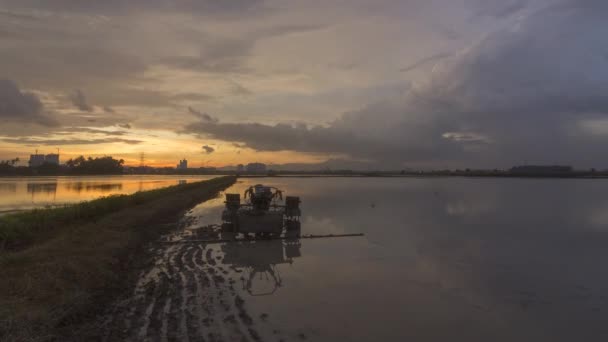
[8, 166]
[89, 166]
[75, 166]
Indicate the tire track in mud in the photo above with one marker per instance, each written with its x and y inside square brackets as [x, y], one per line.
[187, 295]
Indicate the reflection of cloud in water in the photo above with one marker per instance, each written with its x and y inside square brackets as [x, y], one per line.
[599, 218]
[467, 208]
[494, 259]
[322, 225]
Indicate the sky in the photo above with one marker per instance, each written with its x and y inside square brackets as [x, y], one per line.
[364, 84]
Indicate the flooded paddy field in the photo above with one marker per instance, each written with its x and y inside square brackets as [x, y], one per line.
[19, 193]
[442, 259]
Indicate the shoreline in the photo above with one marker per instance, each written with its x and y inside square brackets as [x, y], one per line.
[56, 283]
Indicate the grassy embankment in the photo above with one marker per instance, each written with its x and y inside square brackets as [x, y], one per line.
[59, 266]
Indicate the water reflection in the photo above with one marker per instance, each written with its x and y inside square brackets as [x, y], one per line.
[8, 188]
[256, 260]
[47, 188]
[92, 186]
[31, 192]
[259, 260]
[442, 259]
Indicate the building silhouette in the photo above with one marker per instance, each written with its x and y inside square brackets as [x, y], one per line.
[183, 165]
[39, 159]
[52, 159]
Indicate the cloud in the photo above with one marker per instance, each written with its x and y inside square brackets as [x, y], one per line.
[208, 149]
[226, 54]
[518, 94]
[238, 89]
[72, 130]
[125, 126]
[192, 97]
[217, 55]
[348, 135]
[208, 7]
[108, 109]
[499, 8]
[531, 88]
[424, 61]
[204, 117]
[465, 137]
[79, 101]
[60, 142]
[20, 106]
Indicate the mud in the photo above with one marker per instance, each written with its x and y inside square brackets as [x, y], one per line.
[190, 294]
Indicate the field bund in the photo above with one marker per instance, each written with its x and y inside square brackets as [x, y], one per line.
[61, 266]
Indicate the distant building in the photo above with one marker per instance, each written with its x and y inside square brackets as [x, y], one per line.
[183, 165]
[256, 168]
[240, 168]
[541, 169]
[52, 159]
[39, 159]
[36, 160]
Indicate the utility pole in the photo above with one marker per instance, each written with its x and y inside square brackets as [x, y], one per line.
[142, 159]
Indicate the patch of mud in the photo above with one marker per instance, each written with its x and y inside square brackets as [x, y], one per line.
[187, 294]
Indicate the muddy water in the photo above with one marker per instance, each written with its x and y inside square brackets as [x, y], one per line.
[18, 193]
[442, 260]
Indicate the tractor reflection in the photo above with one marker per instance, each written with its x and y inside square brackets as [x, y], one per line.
[259, 259]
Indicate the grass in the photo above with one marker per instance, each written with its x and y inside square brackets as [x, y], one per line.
[61, 266]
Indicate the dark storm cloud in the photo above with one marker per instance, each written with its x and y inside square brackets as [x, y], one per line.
[204, 117]
[348, 135]
[208, 149]
[59, 142]
[20, 106]
[79, 101]
[520, 93]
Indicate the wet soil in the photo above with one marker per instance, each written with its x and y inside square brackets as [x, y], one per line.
[187, 294]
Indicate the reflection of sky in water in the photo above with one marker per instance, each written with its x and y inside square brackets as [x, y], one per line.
[31, 192]
[442, 259]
